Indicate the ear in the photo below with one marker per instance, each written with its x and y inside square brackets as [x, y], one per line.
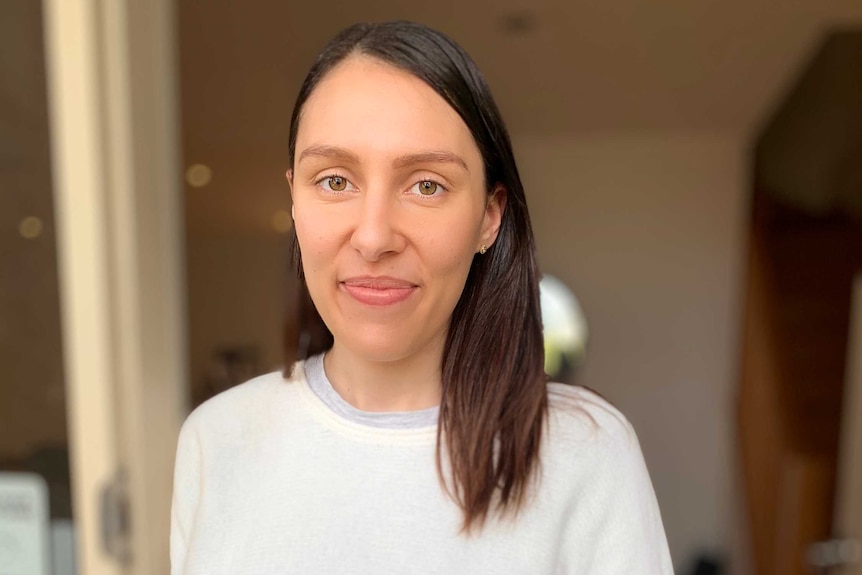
[495, 206]
[289, 175]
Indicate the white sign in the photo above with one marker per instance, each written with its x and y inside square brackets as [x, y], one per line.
[23, 524]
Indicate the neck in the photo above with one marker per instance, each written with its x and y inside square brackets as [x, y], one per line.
[408, 384]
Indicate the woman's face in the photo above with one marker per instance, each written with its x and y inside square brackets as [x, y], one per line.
[390, 207]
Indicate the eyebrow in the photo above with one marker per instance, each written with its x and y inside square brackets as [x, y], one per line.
[329, 152]
[345, 155]
[432, 157]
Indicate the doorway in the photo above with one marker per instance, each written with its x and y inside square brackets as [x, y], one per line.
[805, 249]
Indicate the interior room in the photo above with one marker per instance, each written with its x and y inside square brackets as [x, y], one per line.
[693, 179]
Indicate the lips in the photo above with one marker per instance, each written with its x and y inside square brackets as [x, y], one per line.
[378, 291]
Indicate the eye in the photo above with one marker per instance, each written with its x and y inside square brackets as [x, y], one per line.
[335, 183]
[428, 188]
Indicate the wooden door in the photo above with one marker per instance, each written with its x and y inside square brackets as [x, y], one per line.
[794, 361]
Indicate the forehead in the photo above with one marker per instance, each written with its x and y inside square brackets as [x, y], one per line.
[369, 106]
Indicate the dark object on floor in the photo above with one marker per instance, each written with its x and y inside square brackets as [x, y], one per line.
[707, 566]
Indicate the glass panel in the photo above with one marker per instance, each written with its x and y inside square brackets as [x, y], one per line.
[36, 534]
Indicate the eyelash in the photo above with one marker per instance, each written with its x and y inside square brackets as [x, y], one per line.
[441, 188]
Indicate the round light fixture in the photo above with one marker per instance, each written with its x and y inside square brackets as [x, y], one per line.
[30, 227]
[282, 221]
[198, 175]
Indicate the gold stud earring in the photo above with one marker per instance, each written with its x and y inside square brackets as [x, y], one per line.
[483, 249]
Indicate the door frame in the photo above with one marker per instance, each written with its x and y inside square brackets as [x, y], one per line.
[848, 497]
[112, 97]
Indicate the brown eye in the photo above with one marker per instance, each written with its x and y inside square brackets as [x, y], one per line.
[427, 188]
[337, 183]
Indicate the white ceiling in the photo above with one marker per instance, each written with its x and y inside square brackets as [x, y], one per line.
[584, 66]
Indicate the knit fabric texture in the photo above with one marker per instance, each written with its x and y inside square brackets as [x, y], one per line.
[271, 480]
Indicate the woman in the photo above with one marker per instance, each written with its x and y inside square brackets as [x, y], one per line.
[426, 438]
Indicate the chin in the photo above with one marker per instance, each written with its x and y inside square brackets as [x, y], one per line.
[386, 347]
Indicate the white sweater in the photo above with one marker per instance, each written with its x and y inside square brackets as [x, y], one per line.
[270, 479]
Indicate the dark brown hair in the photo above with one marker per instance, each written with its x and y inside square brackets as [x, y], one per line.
[494, 401]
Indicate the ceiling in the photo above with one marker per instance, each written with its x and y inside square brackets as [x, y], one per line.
[570, 68]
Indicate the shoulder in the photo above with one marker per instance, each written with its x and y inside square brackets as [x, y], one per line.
[589, 442]
[578, 415]
[246, 406]
[236, 400]
[593, 466]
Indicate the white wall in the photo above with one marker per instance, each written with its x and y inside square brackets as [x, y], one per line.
[648, 232]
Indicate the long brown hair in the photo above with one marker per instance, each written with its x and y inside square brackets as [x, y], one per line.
[494, 401]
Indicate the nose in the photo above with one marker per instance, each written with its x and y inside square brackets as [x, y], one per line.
[377, 229]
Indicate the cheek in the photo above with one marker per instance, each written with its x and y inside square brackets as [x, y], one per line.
[315, 234]
[312, 251]
[450, 249]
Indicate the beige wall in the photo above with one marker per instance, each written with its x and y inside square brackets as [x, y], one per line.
[236, 289]
[647, 230]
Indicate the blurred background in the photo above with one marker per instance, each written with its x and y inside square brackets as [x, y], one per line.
[693, 172]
